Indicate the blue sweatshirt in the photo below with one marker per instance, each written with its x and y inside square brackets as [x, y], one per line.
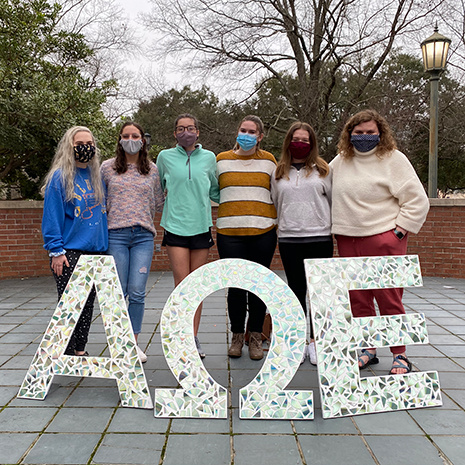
[79, 224]
[190, 182]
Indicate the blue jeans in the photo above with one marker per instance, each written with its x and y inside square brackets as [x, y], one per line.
[132, 249]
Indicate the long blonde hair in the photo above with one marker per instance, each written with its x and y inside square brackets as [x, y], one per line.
[64, 162]
[313, 158]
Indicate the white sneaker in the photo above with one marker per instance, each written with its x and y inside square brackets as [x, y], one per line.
[311, 353]
[304, 355]
[140, 353]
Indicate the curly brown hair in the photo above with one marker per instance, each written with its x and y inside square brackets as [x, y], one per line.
[386, 144]
[143, 162]
[313, 158]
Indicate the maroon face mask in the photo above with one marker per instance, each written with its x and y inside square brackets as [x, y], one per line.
[299, 150]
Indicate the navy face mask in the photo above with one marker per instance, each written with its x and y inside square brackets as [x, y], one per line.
[364, 142]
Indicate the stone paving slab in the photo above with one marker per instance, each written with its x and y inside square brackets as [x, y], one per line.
[404, 450]
[452, 447]
[14, 445]
[400, 422]
[198, 449]
[142, 421]
[266, 448]
[63, 449]
[130, 449]
[27, 419]
[341, 449]
[82, 422]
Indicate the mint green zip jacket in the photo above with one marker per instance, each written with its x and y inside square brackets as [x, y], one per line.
[190, 183]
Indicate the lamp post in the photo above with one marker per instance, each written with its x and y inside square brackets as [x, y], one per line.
[434, 49]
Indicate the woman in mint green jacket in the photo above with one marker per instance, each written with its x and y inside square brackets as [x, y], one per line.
[188, 174]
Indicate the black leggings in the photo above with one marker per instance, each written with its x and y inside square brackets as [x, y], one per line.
[259, 249]
[293, 255]
[80, 334]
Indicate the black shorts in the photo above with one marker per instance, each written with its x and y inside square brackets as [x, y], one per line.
[199, 241]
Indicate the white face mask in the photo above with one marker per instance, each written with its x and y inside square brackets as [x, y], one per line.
[131, 147]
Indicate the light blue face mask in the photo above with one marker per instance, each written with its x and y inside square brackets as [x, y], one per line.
[246, 141]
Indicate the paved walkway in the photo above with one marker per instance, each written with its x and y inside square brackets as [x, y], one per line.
[81, 421]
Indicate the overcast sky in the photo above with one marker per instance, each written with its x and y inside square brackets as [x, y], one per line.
[166, 75]
[161, 73]
[135, 6]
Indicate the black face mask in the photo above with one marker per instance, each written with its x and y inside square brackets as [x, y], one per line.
[84, 153]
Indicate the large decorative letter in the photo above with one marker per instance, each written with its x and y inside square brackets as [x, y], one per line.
[123, 364]
[263, 397]
[338, 336]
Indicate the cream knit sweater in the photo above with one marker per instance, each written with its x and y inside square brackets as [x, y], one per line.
[372, 195]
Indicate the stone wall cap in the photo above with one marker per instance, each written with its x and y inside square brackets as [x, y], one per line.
[447, 202]
[20, 204]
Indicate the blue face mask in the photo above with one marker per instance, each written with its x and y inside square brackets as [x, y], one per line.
[364, 142]
[246, 141]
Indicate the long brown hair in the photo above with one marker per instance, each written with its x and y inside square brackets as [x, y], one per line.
[313, 158]
[143, 163]
[386, 144]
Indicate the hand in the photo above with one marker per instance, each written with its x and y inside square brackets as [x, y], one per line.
[402, 230]
[58, 263]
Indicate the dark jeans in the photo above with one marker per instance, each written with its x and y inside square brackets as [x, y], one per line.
[259, 249]
[293, 255]
[80, 334]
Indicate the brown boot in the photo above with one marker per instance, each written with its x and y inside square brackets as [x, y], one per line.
[255, 346]
[235, 350]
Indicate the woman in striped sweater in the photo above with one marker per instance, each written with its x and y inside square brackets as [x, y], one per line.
[246, 225]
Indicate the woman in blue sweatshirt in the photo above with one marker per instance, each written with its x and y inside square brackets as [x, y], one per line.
[74, 220]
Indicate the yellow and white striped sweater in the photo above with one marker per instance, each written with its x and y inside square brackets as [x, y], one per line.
[246, 208]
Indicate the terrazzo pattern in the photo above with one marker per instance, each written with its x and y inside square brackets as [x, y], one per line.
[264, 397]
[123, 365]
[338, 336]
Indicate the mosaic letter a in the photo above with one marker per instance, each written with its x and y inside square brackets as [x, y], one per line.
[123, 365]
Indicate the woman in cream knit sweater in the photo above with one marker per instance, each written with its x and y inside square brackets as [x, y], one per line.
[377, 200]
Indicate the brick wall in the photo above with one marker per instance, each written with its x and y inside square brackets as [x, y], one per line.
[21, 252]
[160, 259]
[440, 244]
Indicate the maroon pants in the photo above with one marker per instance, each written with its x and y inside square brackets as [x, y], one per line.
[389, 300]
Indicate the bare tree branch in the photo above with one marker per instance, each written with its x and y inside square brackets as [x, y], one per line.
[312, 41]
